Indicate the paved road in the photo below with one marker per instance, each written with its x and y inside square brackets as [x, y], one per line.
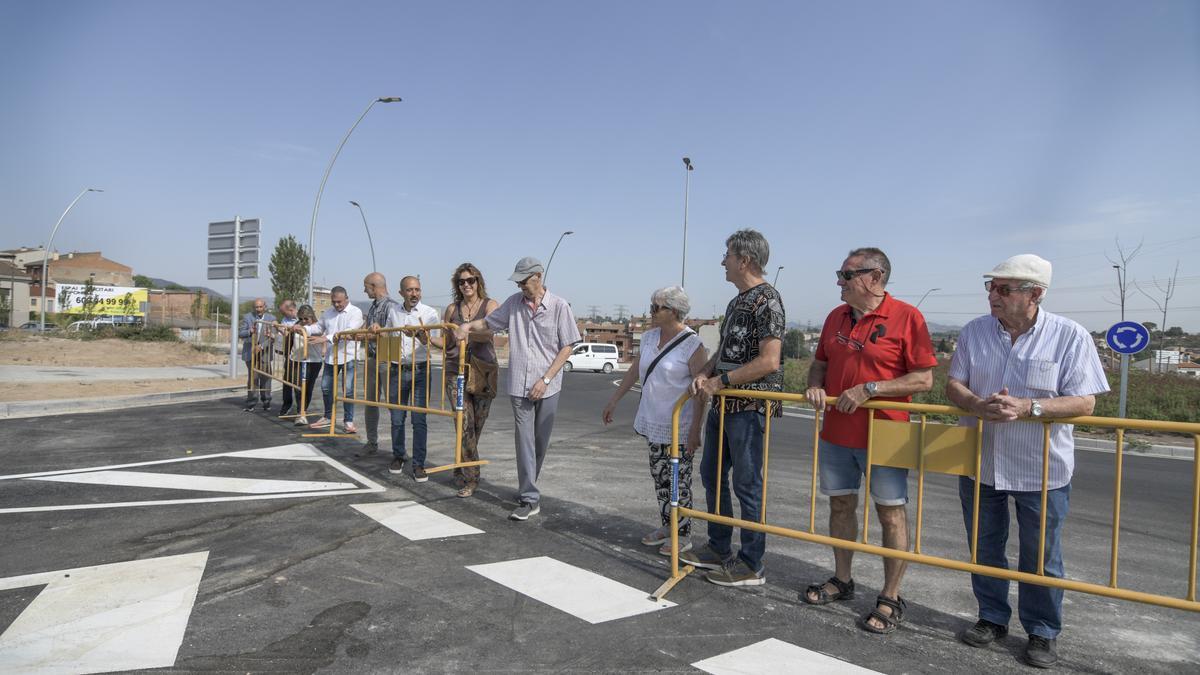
[304, 583]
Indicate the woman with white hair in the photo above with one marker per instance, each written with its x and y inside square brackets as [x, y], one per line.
[671, 356]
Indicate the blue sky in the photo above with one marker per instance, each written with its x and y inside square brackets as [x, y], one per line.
[950, 134]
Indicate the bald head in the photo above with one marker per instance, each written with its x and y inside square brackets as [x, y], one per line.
[375, 286]
[260, 306]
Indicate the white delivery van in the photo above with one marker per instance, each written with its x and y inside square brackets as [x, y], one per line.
[593, 356]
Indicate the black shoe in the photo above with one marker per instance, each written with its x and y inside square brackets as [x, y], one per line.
[397, 466]
[248, 408]
[1041, 652]
[983, 633]
[368, 449]
[419, 474]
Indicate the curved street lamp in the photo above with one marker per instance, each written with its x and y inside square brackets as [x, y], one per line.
[374, 268]
[560, 238]
[312, 228]
[687, 184]
[926, 295]
[776, 281]
[46, 258]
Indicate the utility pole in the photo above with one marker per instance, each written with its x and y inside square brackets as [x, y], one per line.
[594, 311]
[621, 309]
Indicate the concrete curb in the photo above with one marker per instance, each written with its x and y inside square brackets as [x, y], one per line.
[19, 409]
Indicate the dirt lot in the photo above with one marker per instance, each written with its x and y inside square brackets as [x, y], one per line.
[34, 350]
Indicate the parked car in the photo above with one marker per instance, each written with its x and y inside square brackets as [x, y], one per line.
[33, 326]
[593, 356]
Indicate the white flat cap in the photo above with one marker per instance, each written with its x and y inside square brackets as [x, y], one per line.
[1024, 267]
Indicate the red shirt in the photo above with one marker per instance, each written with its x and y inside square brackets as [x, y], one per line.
[884, 344]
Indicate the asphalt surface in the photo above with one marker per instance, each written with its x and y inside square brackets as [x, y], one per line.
[310, 584]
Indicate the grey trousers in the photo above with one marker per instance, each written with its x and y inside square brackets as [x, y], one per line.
[376, 372]
[534, 422]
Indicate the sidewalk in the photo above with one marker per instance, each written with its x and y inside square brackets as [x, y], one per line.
[27, 374]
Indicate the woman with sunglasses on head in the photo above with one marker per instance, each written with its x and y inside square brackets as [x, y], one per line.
[671, 356]
[311, 361]
[470, 303]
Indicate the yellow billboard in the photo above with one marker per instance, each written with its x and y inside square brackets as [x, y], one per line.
[104, 300]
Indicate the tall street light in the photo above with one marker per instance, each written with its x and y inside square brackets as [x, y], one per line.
[312, 228]
[926, 295]
[46, 257]
[687, 184]
[560, 238]
[775, 283]
[374, 268]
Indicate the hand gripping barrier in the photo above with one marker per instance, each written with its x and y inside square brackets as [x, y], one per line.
[275, 351]
[386, 351]
[954, 450]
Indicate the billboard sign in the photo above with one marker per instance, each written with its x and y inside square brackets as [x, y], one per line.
[109, 300]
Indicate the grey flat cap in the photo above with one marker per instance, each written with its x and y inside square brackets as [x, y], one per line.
[527, 267]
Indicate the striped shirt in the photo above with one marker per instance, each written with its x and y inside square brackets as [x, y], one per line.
[1056, 357]
[535, 336]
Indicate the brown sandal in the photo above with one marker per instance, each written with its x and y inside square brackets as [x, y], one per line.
[467, 490]
[890, 621]
[845, 591]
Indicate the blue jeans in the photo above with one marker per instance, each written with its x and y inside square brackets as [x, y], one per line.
[345, 370]
[1039, 607]
[409, 397]
[743, 452]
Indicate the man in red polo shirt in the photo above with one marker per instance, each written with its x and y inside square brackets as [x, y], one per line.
[873, 346]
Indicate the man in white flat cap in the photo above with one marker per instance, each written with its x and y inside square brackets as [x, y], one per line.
[541, 332]
[1022, 363]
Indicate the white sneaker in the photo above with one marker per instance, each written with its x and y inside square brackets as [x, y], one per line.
[322, 423]
[684, 545]
[660, 536]
[301, 421]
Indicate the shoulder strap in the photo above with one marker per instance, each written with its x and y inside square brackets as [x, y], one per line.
[673, 345]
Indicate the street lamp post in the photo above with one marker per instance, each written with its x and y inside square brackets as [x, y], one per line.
[374, 267]
[926, 295]
[46, 258]
[312, 228]
[546, 275]
[775, 283]
[687, 184]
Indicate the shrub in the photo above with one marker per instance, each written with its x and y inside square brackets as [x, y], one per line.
[145, 333]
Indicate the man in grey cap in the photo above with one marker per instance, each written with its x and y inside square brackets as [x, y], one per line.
[1021, 362]
[541, 330]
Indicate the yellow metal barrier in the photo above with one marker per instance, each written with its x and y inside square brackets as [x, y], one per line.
[389, 349]
[954, 450]
[268, 361]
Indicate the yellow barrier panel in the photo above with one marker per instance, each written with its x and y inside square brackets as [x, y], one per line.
[953, 450]
[268, 360]
[388, 347]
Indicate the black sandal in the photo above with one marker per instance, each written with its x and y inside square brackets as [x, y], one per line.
[845, 591]
[890, 622]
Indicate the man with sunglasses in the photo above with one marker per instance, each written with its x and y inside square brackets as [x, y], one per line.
[873, 346]
[541, 332]
[1021, 362]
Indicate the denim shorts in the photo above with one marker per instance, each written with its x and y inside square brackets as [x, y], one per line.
[842, 470]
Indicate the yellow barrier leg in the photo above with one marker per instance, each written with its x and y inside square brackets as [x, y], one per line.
[920, 482]
[1041, 566]
[677, 574]
[1195, 517]
[1116, 528]
[812, 507]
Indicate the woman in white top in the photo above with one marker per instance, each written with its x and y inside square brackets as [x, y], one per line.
[310, 361]
[676, 355]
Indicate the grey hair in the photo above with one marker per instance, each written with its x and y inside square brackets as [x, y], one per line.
[673, 298]
[874, 257]
[750, 244]
[338, 289]
[306, 312]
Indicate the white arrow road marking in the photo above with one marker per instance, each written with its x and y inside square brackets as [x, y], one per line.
[122, 616]
[571, 589]
[176, 481]
[413, 521]
[777, 656]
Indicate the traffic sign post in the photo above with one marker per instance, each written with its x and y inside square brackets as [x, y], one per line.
[233, 254]
[1126, 338]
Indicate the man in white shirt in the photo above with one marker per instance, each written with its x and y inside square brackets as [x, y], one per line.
[343, 316]
[1021, 362]
[414, 385]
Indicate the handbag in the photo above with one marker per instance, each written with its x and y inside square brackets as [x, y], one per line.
[482, 377]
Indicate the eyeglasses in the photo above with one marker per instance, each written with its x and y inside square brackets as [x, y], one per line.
[468, 281]
[849, 342]
[847, 275]
[1002, 290]
[654, 308]
[525, 280]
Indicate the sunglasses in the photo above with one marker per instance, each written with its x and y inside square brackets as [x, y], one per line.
[468, 281]
[847, 275]
[849, 342]
[1004, 291]
[525, 280]
[654, 308]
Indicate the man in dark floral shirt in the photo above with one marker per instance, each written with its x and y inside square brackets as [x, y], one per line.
[747, 358]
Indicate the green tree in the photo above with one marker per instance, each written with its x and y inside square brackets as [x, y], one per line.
[289, 270]
[128, 304]
[1174, 331]
[143, 281]
[1150, 326]
[88, 299]
[793, 344]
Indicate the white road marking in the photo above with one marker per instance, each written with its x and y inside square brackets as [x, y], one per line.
[122, 616]
[576, 591]
[777, 656]
[414, 521]
[177, 481]
[295, 452]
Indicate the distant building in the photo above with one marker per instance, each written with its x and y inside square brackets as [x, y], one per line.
[14, 292]
[76, 267]
[1189, 369]
[177, 308]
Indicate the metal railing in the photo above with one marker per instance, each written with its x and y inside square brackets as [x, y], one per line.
[938, 448]
[391, 347]
[270, 360]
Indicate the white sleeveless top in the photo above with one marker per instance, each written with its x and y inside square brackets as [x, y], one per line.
[667, 383]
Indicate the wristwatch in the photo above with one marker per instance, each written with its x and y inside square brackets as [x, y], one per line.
[546, 381]
[725, 379]
[1035, 407]
[871, 388]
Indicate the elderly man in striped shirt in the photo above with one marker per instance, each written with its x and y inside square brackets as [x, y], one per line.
[1022, 362]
